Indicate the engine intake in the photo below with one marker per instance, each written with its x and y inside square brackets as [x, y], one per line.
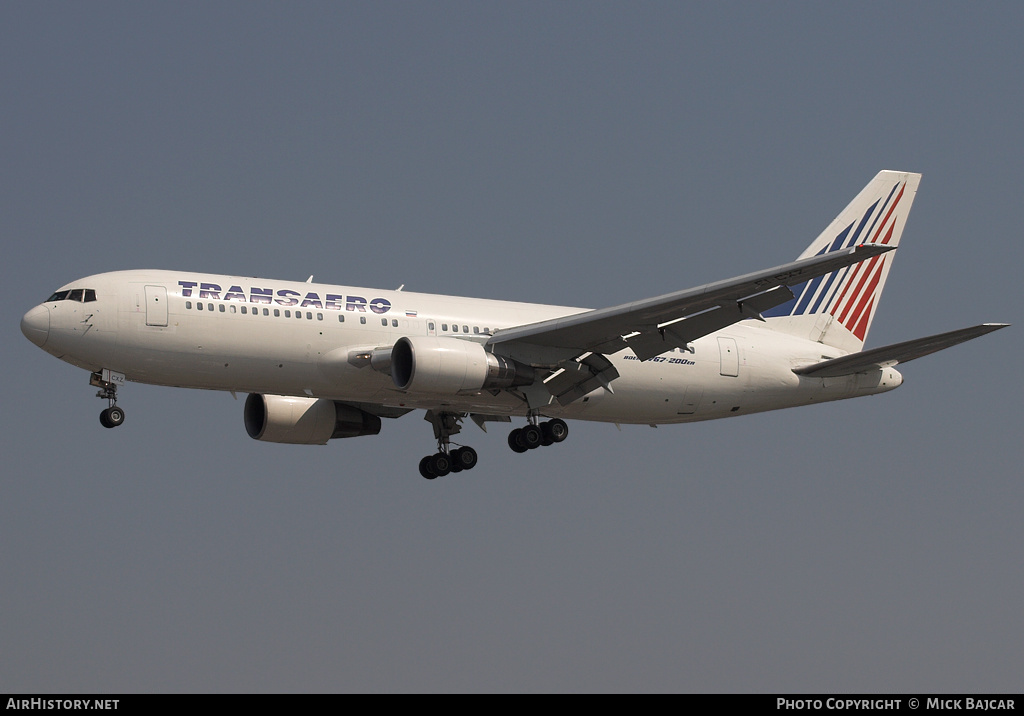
[447, 366]
[304, 421]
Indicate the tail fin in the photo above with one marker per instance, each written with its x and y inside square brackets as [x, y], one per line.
[837, 309]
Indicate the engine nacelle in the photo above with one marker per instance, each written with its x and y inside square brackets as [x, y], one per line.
[446, 366]
[304, 421]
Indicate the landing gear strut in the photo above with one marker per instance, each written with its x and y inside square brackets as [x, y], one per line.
[535, 435]
[107, 382]
[446, 460]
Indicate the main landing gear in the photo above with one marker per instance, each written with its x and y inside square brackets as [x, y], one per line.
[537, 435]
[446, 460]
[107, 382]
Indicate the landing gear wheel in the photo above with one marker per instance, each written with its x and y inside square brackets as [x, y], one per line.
[545, 436]
[112, 417]
[532, 437]
[556, 429]
[515, 441]
[425, 468]
[464, 459]
[440, 464]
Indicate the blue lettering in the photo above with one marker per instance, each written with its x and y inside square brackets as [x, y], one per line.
[261, 295]
[285, 297]
[287, 301]
[312, 300]
[209, 290]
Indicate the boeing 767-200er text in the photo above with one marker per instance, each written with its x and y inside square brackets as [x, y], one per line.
[322, 362]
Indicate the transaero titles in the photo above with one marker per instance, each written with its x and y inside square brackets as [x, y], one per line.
[284, 297]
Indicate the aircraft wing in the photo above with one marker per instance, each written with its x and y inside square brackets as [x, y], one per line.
[895, 353]
[656, 325]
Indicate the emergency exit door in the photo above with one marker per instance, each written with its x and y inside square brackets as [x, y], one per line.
[730, 356]
[156, 306]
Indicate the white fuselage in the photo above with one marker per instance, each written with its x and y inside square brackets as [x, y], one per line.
[290, 338]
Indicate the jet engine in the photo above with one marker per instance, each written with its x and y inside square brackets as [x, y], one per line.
[445, 366]
[304, 421]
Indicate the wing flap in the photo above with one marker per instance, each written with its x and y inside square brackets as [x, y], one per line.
[896, 353]
[581, 377]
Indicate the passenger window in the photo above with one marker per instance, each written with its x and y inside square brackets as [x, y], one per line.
[199, 307]
[455, 328]
[465, 329]
[233, 308]
[341, 318]
[245, 310]
[430, 325]
[188, 305]
[394, 323]
[362, 319]
[476, 329]
[384, 322]
[209, 307]
[277, 313]
[220, 306]
[266, 311]
[309, 316]
[444, 327]
[319, 316]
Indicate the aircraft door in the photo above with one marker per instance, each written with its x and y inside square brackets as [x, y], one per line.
[156, 306]
[730, 356]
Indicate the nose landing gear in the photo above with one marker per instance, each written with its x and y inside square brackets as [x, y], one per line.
[107, 382]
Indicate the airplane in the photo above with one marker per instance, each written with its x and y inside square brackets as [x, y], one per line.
[322, 362]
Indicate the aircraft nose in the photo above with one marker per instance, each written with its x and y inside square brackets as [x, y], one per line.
[36, 325]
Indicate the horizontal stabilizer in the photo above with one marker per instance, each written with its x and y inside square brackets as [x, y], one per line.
[895, 353]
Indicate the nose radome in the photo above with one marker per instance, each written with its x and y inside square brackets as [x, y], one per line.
[36, 325]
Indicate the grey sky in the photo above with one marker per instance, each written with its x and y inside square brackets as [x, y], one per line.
[576, 153]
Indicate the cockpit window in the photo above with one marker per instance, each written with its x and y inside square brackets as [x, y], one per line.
[76, 294]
